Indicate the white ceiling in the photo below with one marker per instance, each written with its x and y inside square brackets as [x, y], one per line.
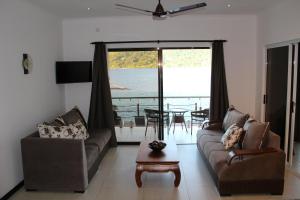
[79, 8]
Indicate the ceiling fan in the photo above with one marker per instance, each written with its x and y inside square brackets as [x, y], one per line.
[160, 12]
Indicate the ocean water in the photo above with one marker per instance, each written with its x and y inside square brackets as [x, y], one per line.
[186, 88]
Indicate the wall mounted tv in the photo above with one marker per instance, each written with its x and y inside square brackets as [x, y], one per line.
[73, 72]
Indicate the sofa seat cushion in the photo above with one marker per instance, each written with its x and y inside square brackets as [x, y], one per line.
[92, 153]
[99, 138]
[212, 146]
[218, 161]
[208, 136]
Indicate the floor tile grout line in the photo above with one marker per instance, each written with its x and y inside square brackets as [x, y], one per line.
[103, 181]
[185, 183]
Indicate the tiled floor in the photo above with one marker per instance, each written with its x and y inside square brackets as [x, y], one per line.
[296, 158]
[115, 180]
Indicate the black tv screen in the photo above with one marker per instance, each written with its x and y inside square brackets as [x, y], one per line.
[73, 72]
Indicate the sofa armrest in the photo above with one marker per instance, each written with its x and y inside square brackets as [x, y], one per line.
[268, 165]
[212, 125]
[239, 153]
[54, 164]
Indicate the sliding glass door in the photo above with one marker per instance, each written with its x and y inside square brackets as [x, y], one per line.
[156, 90]
[186, 90]
[134, 87]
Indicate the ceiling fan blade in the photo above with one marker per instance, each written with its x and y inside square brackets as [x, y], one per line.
[186, 8]
[124, 6]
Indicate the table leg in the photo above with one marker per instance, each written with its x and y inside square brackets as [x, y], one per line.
[138, 174]
[177, 173]
[185, 126]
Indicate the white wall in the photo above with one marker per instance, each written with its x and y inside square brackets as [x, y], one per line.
[277, 24]
[25, 99]
[240, 50]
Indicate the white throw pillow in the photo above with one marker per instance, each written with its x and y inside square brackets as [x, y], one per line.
[72, 131]
[231, 136]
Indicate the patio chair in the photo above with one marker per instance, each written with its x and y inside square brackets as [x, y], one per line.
[117, 118]
[152, 117]
[198, 117]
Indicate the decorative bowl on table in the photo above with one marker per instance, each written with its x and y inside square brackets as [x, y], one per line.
[157, 146]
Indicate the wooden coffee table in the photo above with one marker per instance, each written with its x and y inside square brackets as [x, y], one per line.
[164, 161]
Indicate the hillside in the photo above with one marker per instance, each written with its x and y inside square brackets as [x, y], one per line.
[149, 59]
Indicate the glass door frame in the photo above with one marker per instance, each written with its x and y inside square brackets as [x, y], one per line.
[161, 88]
[128, 49]
[159, 74]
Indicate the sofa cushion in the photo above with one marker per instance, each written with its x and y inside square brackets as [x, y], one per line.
[73, 116]
[231, 136]
[92, 154]
[59, 121]
[256, 135]
[99, 138]
[212, 146]
[248, 123]
[79, 129]
[234, 116]
[205, 136]
[218, 161]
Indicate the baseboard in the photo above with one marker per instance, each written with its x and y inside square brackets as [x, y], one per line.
[13, 191]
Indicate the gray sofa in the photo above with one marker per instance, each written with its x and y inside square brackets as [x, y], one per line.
[63, 164]
[241, 170]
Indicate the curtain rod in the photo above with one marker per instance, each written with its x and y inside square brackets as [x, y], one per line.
[158, 41]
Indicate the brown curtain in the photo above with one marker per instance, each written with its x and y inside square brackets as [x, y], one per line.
[101, 113]
[218, 93]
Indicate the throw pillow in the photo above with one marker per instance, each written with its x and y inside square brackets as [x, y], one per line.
[79, 129]
[73, 116]
[248, 123]
[231, 136]
[72, 131]
[59, 121]
[245, 128]
[234, 116]
[256, 135]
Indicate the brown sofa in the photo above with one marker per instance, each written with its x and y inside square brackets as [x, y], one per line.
[63, 164]
[241, 170]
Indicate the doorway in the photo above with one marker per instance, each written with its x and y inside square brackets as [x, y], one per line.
[158, 80]
[281, 105]
[186, 89]
[276, 91]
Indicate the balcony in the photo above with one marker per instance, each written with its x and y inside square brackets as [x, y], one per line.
[130, 124]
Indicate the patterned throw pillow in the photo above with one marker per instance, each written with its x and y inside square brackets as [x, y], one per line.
[59, 121]
[79, 129]
[231, 136]
[72, 131]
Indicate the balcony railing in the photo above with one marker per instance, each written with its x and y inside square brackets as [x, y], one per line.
[130, 107]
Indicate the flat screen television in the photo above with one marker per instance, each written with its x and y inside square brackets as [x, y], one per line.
[73, 72]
